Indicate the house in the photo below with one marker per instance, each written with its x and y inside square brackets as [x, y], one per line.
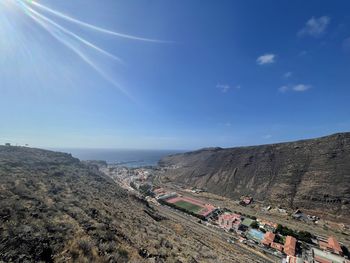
[291, 259]
[298, 211]
[267, 225]
[332, 245]
[290, 246]
[282, 211]
[228, 221]
[247, 200]
[236, 225]
[277, 246]
[335, 246]
[298, 216]
[269, 237]
[208, 211]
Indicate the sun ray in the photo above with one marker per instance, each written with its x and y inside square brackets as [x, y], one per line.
[57, 34]
[44, 17]
[93, 27]
[82, 40]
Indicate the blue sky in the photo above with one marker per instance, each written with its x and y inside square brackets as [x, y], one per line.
[216, 73]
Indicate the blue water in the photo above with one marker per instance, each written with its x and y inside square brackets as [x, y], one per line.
[128, 158]
[256, 234]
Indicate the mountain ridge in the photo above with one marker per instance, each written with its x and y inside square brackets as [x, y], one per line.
[313, 174]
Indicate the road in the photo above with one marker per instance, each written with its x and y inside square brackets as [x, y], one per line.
[219, 236]
[210, 236]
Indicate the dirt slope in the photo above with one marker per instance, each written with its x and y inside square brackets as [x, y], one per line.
[312, 174]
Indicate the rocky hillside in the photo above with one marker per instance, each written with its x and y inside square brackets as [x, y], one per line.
[53, 208]
[311, 174]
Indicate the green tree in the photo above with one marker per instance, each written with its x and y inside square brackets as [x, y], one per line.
[254, 224]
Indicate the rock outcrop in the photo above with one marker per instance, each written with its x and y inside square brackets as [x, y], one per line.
[311, 174]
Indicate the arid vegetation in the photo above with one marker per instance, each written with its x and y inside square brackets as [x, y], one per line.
[53, 208]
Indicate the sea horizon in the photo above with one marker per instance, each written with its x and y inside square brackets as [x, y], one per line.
[131, 158]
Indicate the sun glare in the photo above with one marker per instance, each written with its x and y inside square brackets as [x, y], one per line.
[15, 13]
[7, 4]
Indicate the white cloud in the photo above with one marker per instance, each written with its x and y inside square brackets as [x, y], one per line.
[301, 87]
[296, 88]
[315, 26]
[287, 74]
[267, 136]
[266, 59]
[226, 87]
[223, 87]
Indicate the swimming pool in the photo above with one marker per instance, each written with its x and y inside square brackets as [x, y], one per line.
[255, 235]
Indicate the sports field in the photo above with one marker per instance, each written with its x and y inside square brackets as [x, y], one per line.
[188, 206]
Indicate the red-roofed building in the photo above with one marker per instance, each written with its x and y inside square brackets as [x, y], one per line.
[229, 221]
[290, 246]
[277, 246]
[334, 245]
[268, 238]
[247, 200]
[331, 245]
[267, 225]
[291, 259]
[323, 245]
[208, 209]
[236, 224]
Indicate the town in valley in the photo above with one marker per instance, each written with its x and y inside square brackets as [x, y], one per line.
[238, 224]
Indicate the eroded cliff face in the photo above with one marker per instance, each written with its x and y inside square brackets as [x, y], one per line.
[311, 174]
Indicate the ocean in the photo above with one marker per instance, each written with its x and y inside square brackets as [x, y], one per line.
[128, 158]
